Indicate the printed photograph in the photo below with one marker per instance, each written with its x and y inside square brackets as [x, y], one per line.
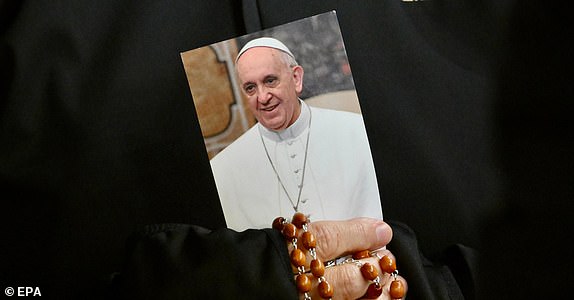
[282, 124]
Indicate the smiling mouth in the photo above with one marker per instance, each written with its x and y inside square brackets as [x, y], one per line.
[270, 108]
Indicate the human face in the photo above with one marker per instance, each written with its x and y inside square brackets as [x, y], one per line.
[272, 87]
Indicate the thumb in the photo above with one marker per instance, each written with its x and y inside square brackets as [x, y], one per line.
[339, 238]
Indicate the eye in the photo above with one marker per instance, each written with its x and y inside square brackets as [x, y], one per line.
[249, 89]
[271, 81]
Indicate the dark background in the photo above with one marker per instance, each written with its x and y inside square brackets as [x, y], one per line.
[463, 103]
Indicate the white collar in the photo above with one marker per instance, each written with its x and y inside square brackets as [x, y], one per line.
[291, 132]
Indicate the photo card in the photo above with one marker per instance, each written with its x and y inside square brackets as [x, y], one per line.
[282, 124]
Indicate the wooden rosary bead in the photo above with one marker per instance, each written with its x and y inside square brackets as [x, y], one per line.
[373, 291]
[303, 283]
[369, 271]
[289, 231]
[361, 254]
[297, 258]
[397, 290]
[317, 268]
[299, 219]
[278, 223]
[308, 240]
[387, 264]
[325, 290]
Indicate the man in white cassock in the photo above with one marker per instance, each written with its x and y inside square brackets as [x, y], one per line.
[296, 158]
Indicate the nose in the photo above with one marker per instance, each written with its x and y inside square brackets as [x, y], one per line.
[263, 95]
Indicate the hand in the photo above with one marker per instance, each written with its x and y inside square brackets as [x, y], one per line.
[337, 239]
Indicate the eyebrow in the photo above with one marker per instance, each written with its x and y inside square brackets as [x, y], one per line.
[244, 85]
[273, 76]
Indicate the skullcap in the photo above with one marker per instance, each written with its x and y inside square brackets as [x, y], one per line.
[264, 42]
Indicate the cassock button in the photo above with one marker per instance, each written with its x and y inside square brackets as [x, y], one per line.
[304, 200]
[293, 155]
[297, 171]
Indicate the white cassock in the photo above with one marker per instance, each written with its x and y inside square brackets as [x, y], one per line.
[339, 180]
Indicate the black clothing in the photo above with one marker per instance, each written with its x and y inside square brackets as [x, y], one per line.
[98, 137]
[175, 261]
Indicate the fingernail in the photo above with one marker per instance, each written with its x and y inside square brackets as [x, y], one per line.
[383, 232]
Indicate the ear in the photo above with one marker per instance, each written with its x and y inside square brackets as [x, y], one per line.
[298, 79]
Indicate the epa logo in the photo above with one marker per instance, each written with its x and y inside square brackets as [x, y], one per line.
[22, 291]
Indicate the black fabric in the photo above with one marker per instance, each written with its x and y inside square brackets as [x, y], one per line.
[251, 16]
[451, 278]
[529, 251]
[98, 133]
[174, 261]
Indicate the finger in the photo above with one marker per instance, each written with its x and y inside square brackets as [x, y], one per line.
[346, 280]
[389, 276]
[391, 288]
[339, 238]
[349, 282]
[387, 287]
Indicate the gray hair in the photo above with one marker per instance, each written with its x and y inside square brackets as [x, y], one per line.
[288, 59]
